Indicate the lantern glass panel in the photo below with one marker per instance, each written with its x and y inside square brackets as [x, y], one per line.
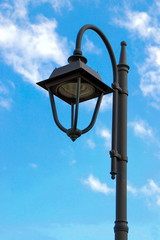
[69, 90]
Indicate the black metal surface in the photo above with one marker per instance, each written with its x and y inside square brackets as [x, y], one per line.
[94, 117]
[77, 104]
[78, 71]
[54, 112]
[70, 73]
[121, 224]
[119, 130]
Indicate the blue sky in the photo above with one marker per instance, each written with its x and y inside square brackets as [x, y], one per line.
[50, 187]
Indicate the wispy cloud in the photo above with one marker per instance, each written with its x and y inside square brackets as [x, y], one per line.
[72, 162]
[89, 46]
[5, 102]
[95, 184]
[28, 47]
[91, 144]
[131, 189]
[144, 26]
[152, 192]
[58, 5]
[5, 98]
[137, 22]
[33, 165]
[106, 103]
[40, 43]
[142, 129]
[106, 135]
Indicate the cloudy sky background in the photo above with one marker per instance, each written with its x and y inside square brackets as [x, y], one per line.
[51, 188]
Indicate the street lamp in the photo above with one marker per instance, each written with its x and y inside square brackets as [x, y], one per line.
[76, 83]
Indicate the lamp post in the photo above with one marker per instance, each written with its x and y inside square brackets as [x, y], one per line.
[76, 83]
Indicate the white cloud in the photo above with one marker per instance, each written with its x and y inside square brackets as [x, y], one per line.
[5, 99]
[105, 133]
[20, 9]
[58, 5]
[106, 103]
[5, 102]
[28, 47]
[91, 144]
[150, 73]
[3, 88]
[150, 188]
[142, 129]
[72, 162]
[135, 21]
[89, 46]
[33, 165]
[31, 49]
[39, 44]
[152, 192]
[131, 189]
[145, 27]
[95, 184]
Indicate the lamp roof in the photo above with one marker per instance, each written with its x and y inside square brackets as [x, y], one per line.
[70, 73]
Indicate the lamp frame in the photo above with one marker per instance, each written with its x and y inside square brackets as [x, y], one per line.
[118, 151]
[119, 127]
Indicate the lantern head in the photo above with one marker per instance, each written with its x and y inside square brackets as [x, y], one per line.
[63, 83]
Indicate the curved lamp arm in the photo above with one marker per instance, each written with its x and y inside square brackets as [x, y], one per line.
[115, 85]
[106, 42]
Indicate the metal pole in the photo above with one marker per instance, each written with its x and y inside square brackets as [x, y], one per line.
[121, 228]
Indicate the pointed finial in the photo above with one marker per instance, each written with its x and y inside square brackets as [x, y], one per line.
[77, 55]
[123, 58]
[74, 133]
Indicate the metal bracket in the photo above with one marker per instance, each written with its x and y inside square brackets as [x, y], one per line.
[116, 86]
[114, 153]
[114, 157]
[123, 158]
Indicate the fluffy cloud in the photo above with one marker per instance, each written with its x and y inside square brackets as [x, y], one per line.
[131, 189]
[28, 47]
[144, 131]
[106, 135]
[89, 46]
[135, 21]
[58, 5]
[144, 27]
[5, 99]
[152, 192]
[150, 72]
[95, 184]
[141, 129]
[5, 102]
